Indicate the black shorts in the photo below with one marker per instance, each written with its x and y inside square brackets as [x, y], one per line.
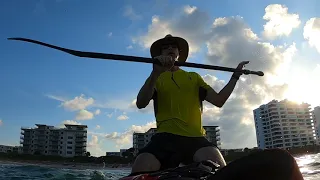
[171, 149]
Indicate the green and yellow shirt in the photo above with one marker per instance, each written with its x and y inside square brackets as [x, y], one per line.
[178, 101]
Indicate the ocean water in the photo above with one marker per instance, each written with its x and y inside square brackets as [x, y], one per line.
[309, 166]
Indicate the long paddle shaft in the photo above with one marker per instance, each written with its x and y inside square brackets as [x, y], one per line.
[135, 58]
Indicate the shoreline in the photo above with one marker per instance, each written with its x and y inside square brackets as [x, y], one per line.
[61, 165]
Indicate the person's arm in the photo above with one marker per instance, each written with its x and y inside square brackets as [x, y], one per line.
[219, 99]
[147, 90]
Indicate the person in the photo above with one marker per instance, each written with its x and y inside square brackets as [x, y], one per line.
[177, 96]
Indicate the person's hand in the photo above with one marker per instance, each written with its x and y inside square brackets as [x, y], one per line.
[241, 65]
[166, 61]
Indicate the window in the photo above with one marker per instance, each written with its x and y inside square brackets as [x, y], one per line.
[61, 137]
[46, 152]
[69, 147]
[69, 142]
[61, 132]
[61, 142]
[69, 152]
[70, 137]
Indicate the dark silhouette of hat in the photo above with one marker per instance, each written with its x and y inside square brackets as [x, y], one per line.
[183, 46]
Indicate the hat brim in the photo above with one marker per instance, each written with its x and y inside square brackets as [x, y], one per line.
[183, 45]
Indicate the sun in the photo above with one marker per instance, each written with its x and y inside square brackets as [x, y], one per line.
[303, 90]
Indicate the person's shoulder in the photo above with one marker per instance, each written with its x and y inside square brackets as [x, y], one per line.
[194, 74]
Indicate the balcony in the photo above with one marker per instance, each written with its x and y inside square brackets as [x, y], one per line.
[81, 145]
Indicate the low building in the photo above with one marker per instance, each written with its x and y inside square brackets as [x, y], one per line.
[48, 140]
[122, 151]
[10, 149]
[138, 141]
[113, 153]
[213, 135]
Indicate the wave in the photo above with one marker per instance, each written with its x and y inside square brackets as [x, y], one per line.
[28, 172]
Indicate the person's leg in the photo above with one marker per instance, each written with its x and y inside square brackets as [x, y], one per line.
[197, 149]
[157, 155]
[145, 162]
[209, 153]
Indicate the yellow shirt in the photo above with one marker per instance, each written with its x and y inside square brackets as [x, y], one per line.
[178, 104]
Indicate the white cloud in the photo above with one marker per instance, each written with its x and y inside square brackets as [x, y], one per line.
[110, 34]
[124, 139]
[229, 41]
[129, 47]
[109, 115]
[78, 103]
[94, 146]
[84, 115]
[58, 98]
[97, 112]
[1, 122]
[148, 109]
[312, 32]
[279, 21]
[98, 127]
[72, 122]
[193, 32]
[122, 117]
[130, 13]
[189, 10]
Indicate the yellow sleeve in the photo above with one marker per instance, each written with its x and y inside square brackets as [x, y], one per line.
[201, 82]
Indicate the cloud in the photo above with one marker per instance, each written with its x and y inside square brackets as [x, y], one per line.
[124, 139]
[98, 127]
[58, 98]
[129, 47]
[148, 109]
[110, 34]
[94, 146]
[189, 10]
[122, 117]
[232, 41]
[193, 32]
[78, 103]
[1, 122]
[84, 115]
[72, 122]
[279, 21]
[311, 32]
[109, 115]
[229, 40]
[97, 112]
[130, 13]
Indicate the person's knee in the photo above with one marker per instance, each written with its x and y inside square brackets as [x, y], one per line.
[146, 162]
[209, 153]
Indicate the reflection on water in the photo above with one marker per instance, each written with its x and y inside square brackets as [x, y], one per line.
[309, 166]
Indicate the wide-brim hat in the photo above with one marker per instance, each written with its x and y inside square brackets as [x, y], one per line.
[183, 46]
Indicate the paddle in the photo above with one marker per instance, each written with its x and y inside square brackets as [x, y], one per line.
[135, 58]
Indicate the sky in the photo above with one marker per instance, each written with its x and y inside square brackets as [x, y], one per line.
[45, 86]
